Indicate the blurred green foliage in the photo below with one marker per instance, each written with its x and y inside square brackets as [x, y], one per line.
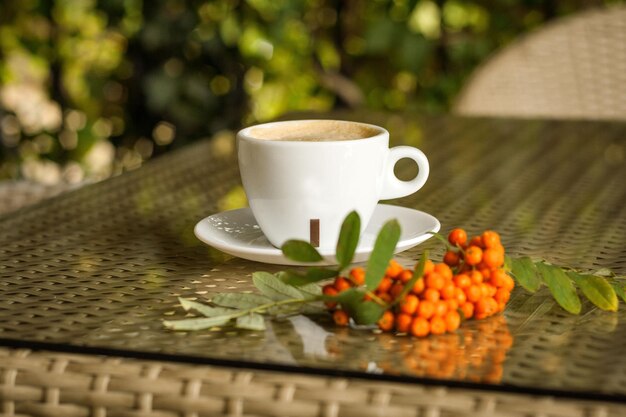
[92, 88]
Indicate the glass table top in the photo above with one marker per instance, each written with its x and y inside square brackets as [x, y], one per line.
[98, 269]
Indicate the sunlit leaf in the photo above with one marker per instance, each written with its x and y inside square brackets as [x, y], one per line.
[597, 290]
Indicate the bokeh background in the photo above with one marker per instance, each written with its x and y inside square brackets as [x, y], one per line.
[89, 89]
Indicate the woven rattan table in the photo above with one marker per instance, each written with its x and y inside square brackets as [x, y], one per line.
[86, 279]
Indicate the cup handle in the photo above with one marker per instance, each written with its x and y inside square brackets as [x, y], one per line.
[393, 187]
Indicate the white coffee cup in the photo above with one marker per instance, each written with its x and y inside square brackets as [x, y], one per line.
[303, 177]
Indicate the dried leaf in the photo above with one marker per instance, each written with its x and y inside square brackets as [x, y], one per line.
[348, 239]
[525, 273]
[560, 286]
[300, 251]
[250, 322]
[384, 248]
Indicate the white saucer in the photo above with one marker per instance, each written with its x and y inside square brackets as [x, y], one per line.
[237, 233]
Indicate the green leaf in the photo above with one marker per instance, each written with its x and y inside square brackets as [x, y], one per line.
[348, 239]
[204, 309]
[250, 322]
[620, 290]
[418, 273]
[525, 273]
[312, 275]
[597, 290]
[367, 312]
[310, 290]
[272, 287]
[560, 286]
[384, 248]
[240, 301]
[197, 324]
[301, 251]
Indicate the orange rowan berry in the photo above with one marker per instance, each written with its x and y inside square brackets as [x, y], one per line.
[485, 307]
[486, 272]
[444, 270]
[437, 325]
[490, 238]
[448, 291]
[419, 286]
[460, 295]
[453, 304]
[396, 290]
[502, 295]
[468, 310]
[385, 323]
[340, 318]
[403, 322]
[476, 277]
[453, 320]
[420, 327]
[394, 269]
[435, 280]
[330, 290]
[473, 293]
[429, 266]
[476, 241]
[485, 290]
[409, 304]
[457, 237]
[406, 275]
[385, 285]
[342, 284]
[473, 255]
[431, 294]
[509, 283]
[497, 277]
[493, 258]
[441, 308]
[451, 258]
[425, 309]
[462, 281]
[358, 275]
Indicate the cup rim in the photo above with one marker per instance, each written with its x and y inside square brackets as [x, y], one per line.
[243, 133]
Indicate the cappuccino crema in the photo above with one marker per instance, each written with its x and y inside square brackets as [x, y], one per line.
[314, 131]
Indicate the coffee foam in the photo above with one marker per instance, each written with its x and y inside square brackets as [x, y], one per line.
[313, 131]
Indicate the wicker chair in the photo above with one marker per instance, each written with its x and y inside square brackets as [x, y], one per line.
[573, 68]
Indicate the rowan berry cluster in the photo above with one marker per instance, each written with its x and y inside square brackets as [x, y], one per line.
[470, 282]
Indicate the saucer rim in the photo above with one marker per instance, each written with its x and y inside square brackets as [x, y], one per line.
[326, 252]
